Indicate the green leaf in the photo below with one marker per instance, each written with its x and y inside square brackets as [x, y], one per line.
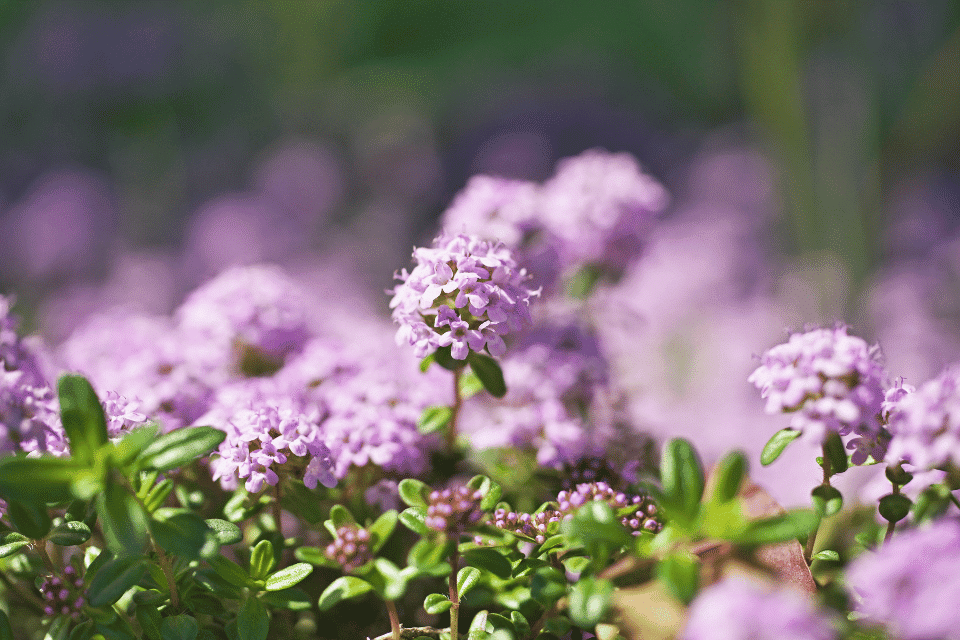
[489, 560]
[82, 415]
[435, 604]
[382, 528]
[58, 628]
[387, 580]
[252, 620]
[182, 627]
[470, 385]
[425, 363]
[729, 475]
[44, 479]
[69, 534]
[157, 495]
[894, 507]
[262, 560]
[548, 585]
[467, 579]
[827, 500]
[225, 532]
[595, 522]
[12, 543]
[896, 475]
[182, 534]
[589, 601]
[114, 579]
[315, 556]
[478, 627]
[180, 447]
[288, 576]
[827, 555]
[681, 574]
[413, 518]
[489, 372]
[29, 518]
[682, 477]
[781, 528]
[520, 623]
[434, 419]
[427, 554]
[835, 453]
[413, 492]
[445, 359]
[6, 633]
[229, 571]
[292, 599]
[341, 516]
[133, 444]
[148, 616]
[123, 522]
[343, 588]
[776, 445]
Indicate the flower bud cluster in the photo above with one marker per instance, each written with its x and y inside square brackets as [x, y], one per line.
[464, 293]
[537, 525]
[63, 596]
[350, 548]
[829, 382]
[452, 511]
[642, 518]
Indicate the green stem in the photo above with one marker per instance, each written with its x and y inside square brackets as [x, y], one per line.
[454, 596]
[812, 538]
[891, 524]
[41, 547]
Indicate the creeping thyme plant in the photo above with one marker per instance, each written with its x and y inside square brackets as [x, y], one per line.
[235, 471]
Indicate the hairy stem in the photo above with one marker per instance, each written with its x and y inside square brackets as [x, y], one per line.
[41, 547]
[394, 619]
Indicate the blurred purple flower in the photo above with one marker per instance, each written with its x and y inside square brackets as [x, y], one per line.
[925, 424]
[32, 240]
[829, 382]
[912, 583]
[302, 178]
[734, 609]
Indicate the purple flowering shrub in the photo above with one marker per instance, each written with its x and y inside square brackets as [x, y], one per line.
[248, 466]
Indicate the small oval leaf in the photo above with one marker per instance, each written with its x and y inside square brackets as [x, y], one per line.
[343, 588]
[894, 507]
[288, 577]
[225, 532]
[413, 492]
[113, 579]
[180, 447]
[71, 533]
[489, 372]
[467, 579]
[436, 603]
[776, 445]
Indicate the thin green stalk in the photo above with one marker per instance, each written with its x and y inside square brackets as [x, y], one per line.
[394, 619]
[454, 412]
[454, 596]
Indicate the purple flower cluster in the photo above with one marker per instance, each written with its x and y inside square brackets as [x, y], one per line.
[912, 584]
[596, 210]
[452, 511]
[734, 609]
[925, 424]
[553, 376]
[830, 382]
[63, 596]
[262, 437]
[350, 547]
[464, 293]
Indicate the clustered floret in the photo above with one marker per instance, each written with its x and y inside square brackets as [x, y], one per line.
[464, 293]
[925, 424]
[350, 547]
[452, 511]
[829, 382]
[63, 596]
[537, 526]
[912, 583]
[734, 609]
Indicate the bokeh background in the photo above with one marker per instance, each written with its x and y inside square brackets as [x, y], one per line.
[811, 149]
